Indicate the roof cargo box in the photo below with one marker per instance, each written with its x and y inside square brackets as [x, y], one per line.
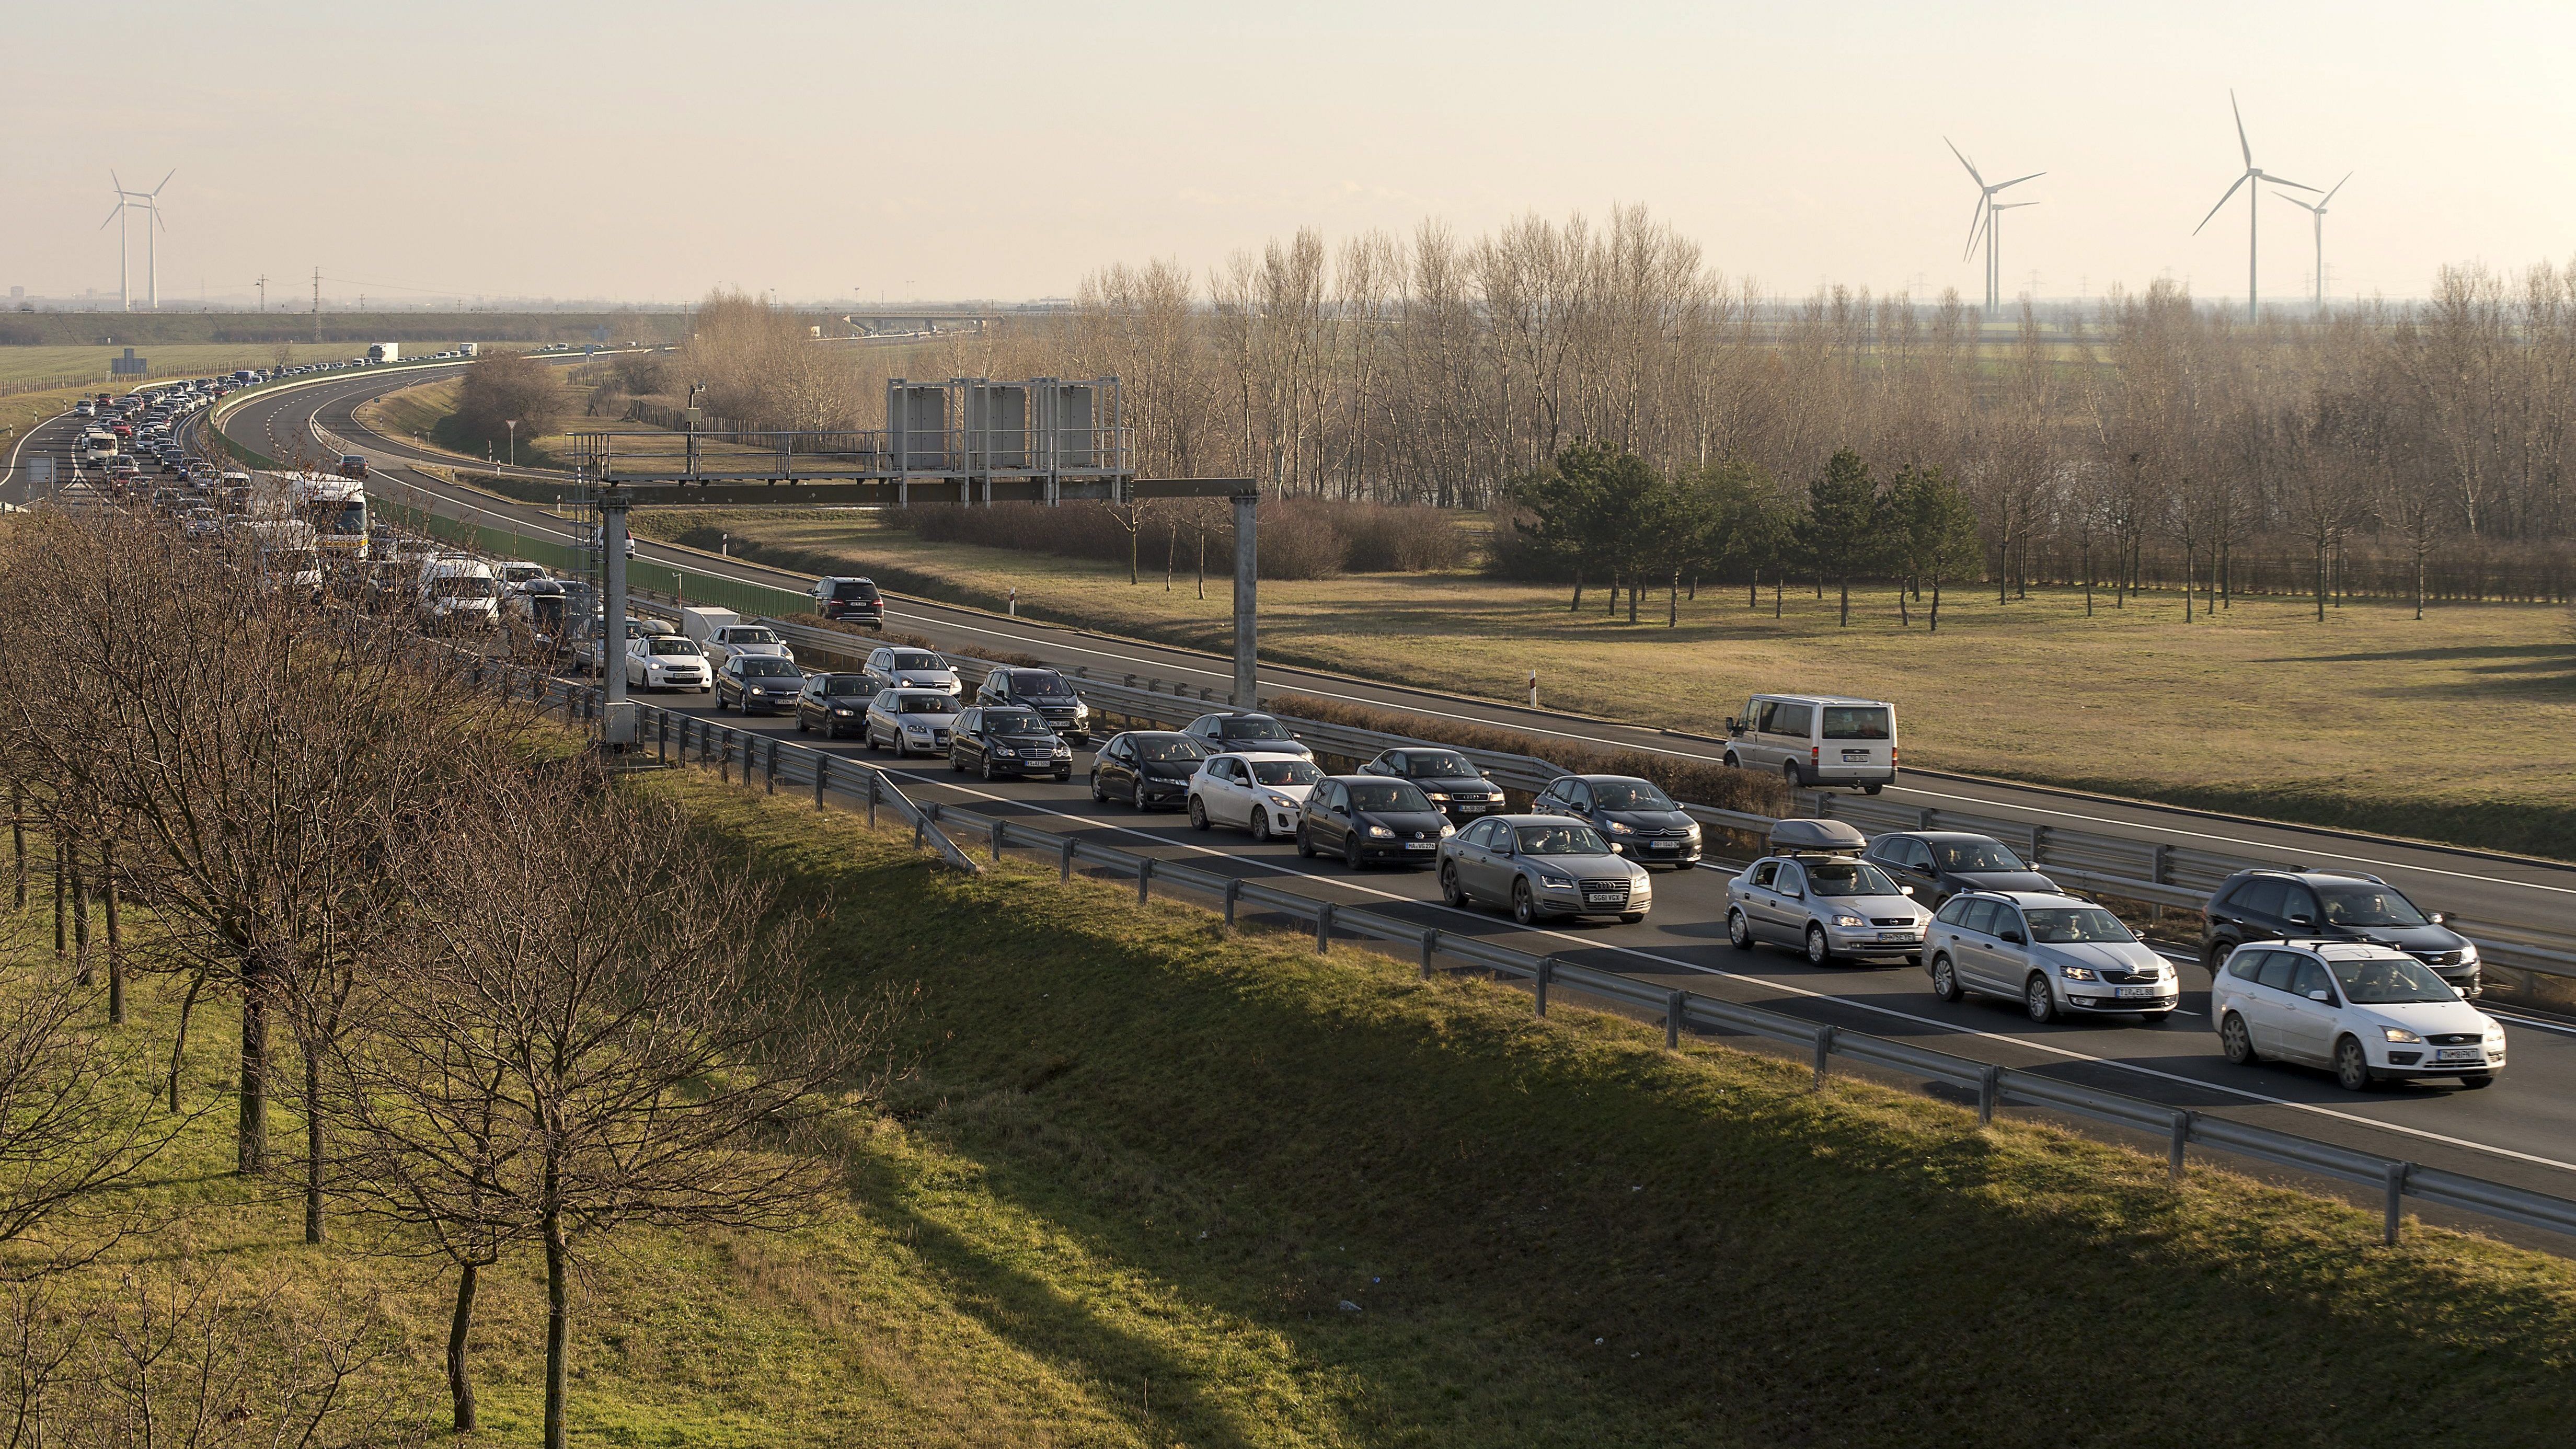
[1811, 837]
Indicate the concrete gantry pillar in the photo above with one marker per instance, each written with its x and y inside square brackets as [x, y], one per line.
[1247, 602]
[617, 720]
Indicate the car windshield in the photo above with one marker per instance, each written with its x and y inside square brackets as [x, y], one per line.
[1014, 721]
[1848, 878]
[1039, 686]
[1283, 772]
[1388, 795]
[2388, 981]
[750, 636]
[1168, 750]
[846, 684]
[1256, 727]
[918, 659]
[1974, 855]
[1630, 795]
[445, 586]
[1561, 840]
[1437, 765]
[924, 704]
[2061, 926]
[2366, 905]
[767, 668]
[1856, 722]
[673, 644]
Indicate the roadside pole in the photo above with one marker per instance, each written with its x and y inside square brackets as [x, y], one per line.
[1247, 603]
[617, 720]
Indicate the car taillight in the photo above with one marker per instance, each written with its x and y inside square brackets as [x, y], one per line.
[1891, 756]
[1815, 752]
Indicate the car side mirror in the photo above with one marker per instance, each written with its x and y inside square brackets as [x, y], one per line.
[2435, 918]
[2325, 996]
[1905, 890]
[2460, 992]
[1734, 726]
[2012, 938]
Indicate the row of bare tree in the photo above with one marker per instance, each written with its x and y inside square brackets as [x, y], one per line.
[521, 1008]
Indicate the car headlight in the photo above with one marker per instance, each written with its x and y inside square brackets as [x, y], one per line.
[1693, 828]
[1846, 918]
[844, 713]
[1004, 752]
[1081, 711]
[1447, 830]
[1062, 748]
[1619, 827]
[1436, 797]
[2468, 955]
[2399, 1033]
[1380, 832]
[1282, 801]
[1555, 882]
[2077, 973]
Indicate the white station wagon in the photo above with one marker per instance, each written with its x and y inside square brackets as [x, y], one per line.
[2368, 1013]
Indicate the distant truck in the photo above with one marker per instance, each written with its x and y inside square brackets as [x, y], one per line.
[384, 352]
[246, 376]
[469, 349]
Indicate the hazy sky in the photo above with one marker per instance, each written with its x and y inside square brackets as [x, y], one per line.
[646, 151]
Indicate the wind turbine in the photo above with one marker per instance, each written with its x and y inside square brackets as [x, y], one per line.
[1981, 220]
[149, 204]
[2318, 210]
[2253, 203]
[1994, 278]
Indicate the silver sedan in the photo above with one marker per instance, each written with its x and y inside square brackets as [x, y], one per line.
[910, 721]
[1541, 866]
[1835, 907]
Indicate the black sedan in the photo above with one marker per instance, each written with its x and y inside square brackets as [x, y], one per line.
[758, 683]
[1007, 739]
[1455, 786]
[1639, 819]
[1365, 818]
[1941, 863]
[836, 704]
[1145, 768]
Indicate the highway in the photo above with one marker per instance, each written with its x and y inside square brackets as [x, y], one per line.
[2522, 1131]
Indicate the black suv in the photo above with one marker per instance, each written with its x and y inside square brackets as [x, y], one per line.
[1000, 740]
[2271, 905]
[1451, 780]
[1043, 690]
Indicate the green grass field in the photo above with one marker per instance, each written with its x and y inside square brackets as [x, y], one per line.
[47, 364]
[2263, 710]
[1148, 1183]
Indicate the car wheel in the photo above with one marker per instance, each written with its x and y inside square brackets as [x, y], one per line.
[956, 765]
[1064, 775]
[2038, 999]
[800, 724]
[2482, 1079]
[1791, 773]
[1871, 789]
[1305, 844]
[2352, 1068]
[2215, 958]
[1136, 796]
[1198, 813]
[1945, 979]
[1450, 890]
[1524, 905]
[1820, 951]
[1351, 851]
[1739, 931]
[1261, 827]
[988, 767]
[1731, 762]
[2235, 1042]
[1098, 795]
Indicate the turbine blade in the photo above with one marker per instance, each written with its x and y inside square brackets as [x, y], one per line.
[2222, 201]
[112, 181]
[2294, 201]
[2286, 181]
[1963, 160]
[1977, 228]
[156, 191]
[2338, 186]
[2241, 143]
[2018, 180]
[113, 215]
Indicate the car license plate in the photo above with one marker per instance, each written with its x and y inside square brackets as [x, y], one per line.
[1850, 756]
[1422, 845]
[1666, 846]
[1894, 936]
[2135, 993]
[2458, 1054]
[1465, 809]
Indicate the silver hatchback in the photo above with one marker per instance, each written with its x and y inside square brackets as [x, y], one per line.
[1836, 908]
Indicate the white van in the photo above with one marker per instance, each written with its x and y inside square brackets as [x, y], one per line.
[1816, 739]
[458, 590]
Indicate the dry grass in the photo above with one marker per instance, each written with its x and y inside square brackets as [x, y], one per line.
[21, 364]
[2461, 726]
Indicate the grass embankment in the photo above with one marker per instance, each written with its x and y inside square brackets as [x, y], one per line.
[1141, 1166]
[23, 364]
[2263, 711]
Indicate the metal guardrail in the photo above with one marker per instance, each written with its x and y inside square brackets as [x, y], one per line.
[774, 763]
[2137, 868]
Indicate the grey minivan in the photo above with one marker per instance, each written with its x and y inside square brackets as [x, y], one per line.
[1816, 739]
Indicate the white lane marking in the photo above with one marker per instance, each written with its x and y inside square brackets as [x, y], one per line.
[2195, 1083]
